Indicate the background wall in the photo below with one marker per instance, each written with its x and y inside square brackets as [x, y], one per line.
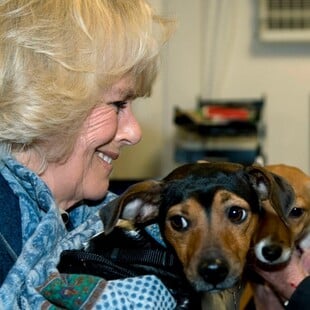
[216, 53]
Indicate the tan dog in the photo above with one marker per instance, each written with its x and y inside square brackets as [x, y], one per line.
[207, 213]
[279, 229]
[298, 217]
[273, 241]
[277, 237]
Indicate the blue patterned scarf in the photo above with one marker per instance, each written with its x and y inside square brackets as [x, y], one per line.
[34, 281]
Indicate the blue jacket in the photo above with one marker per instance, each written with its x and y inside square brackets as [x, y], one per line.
[10, 228]
[32, 236]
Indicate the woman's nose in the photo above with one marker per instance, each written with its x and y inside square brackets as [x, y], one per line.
[129, 130]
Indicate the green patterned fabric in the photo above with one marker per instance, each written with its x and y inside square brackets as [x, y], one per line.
[72, 291]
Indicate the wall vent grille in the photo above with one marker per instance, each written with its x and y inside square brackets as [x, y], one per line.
[284, 20]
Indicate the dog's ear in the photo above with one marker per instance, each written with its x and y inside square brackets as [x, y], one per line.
[260, 181]
[274, 188]
[284, 192]
[139, 203]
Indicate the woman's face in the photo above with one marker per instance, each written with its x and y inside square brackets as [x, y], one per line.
[109, 127]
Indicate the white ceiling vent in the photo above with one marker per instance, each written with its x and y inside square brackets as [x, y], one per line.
[284, 20]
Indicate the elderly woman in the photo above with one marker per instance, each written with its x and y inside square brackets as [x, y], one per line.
[69, 70]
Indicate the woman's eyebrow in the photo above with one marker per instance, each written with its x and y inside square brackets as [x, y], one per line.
[127, 94]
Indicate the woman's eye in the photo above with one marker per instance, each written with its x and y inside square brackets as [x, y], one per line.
[179, 223]
[237, 214]
[119, 105]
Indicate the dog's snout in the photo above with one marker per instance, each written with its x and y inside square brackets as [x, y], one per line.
[272, 252]
[214, 271]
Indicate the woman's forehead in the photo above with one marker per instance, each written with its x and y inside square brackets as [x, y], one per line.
[124, 88]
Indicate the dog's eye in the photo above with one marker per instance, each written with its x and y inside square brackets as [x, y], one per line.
[237, 214]
[296, 212]
[179, 222]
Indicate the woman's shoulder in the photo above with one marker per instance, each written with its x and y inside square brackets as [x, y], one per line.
[10, 228]
[6, 193]
[9, 211]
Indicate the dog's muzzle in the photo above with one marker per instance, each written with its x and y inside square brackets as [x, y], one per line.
[213, 275]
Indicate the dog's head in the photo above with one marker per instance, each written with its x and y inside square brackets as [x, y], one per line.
[280, 227]
[207, 212]
[297, 216]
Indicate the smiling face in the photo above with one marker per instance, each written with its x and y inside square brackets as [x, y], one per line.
[110, 126]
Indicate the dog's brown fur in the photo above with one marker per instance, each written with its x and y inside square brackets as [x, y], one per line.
[283, 232]
[282, 235]
[273, 240]
[298, 217]
[210, 230]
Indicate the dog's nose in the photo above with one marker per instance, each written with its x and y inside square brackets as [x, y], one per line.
[214, 271]
[272, 252]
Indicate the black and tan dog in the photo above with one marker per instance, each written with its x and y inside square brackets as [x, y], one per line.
[208, 214]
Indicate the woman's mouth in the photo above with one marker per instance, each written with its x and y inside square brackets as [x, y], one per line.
[105, 158]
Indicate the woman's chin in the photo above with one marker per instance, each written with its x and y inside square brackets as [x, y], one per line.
[98, 192]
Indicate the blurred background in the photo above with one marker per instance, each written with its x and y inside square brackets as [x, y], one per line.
[223, 51]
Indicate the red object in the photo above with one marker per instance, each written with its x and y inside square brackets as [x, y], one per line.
[227, 113]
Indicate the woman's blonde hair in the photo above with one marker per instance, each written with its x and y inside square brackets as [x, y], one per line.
[57, 54]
